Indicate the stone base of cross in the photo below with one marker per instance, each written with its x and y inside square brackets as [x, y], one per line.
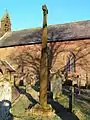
[37, 110]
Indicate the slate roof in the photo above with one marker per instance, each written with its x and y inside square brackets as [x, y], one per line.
[59, 32]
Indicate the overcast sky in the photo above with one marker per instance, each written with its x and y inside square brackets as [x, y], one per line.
[28, 13]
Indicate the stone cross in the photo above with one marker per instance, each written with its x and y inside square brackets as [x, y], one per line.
[44, 61]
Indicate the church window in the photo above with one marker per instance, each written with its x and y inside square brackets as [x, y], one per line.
[70, 65]
[5, 24]
[67, 66]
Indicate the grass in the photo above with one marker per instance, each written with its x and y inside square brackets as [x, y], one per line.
[80, 108]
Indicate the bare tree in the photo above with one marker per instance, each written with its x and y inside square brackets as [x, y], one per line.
[27, 63]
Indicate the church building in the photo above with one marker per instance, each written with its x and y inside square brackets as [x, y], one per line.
[68, 50]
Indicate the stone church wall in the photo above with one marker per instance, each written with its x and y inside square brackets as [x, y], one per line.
[26, 59]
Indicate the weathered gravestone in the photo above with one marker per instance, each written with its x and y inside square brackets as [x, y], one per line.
[57, 79]
[5, 99]
[6, 87]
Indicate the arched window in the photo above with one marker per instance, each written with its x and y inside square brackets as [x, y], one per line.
[67, 66]
[70, 64]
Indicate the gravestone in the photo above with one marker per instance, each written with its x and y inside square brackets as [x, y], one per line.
[5, 99]
[56, 83]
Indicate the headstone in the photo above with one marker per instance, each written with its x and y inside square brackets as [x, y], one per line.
[56, 83]
[5, 91]
[5, 99]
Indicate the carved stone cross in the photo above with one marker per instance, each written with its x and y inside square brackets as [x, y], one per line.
[44, 61]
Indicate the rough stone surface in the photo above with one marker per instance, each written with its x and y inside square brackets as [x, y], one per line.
[60, 52]
[5, 99]
[56, 83]
[5, 91]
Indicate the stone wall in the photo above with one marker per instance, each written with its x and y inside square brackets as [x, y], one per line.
[29, 56]
[26, 61]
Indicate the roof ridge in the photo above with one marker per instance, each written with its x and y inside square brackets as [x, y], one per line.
[51, 25]
[27, 29]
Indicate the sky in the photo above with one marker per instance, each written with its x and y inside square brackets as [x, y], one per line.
[28, 13]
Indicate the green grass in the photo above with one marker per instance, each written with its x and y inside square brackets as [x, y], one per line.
[80, 109]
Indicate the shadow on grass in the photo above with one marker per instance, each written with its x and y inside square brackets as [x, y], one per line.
[83, 98]
[61, 111]
[84, 106]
